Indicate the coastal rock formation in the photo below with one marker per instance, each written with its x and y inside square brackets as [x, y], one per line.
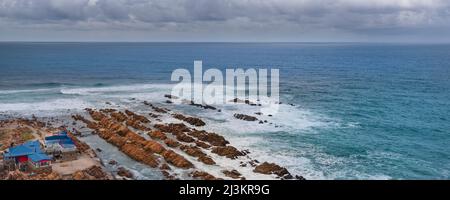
[173, 128]
[171, 143]
[97, 172]
[168, 176]
[155, 108]
[192, 151]
[103, 133]
[81, 146]
[197, 152]
[119, 116]
[88, 123]
[17, 175]
[107, 110]
[227, 151]
[207, 160]
[115, 128]
[178, 130]
[92, 173]
[232, 173]
[272, 168]
[96, 115]
[121, 171]
[248, 102]
[136, 125]
[112, 162]
[139, 154]
[79, 175]
[245, 117]
[165, 166]
[154, 147]
[170, 96]
[192, 103]
[137, 117]
[202, 144]
[212, 138]
[176, 160]
[135, 138]
[191, 120]
[184, 138]
[153, 115]
[117, 140]
[203, 175]
[157, 135]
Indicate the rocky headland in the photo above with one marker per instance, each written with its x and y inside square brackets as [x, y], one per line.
[179, 149]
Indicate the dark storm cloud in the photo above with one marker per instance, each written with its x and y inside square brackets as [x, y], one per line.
[270, 19]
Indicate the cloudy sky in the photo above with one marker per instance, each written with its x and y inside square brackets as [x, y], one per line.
[226, 20]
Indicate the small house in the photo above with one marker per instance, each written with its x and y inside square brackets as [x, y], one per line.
[61, 146]
[28, 156]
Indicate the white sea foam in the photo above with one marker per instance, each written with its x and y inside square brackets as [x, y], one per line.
[113, 89]
[51, 105]
[289, 119]
[24, 91]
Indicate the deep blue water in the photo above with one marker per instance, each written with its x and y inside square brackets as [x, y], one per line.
[383, 108]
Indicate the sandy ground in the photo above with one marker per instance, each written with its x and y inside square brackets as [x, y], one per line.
[70, 167]
[34, 132]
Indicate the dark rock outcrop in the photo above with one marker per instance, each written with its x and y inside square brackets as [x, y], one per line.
[192, 151]
[137, 117]
[176, 160]
[212, 138]
[112, 162]
[207, 160]
[170, 96]
[227, 151]
[245, 117]
[232, 173]
[155, 108]
[157, 135]
[203, 175]
[154, 147]
[272, 168]
[121, 171]
[202, 144]
[184, 138]
[119, 116]
[191, 120]
[173, 128]
[171, 143]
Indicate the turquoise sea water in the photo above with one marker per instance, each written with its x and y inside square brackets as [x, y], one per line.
[362, 111]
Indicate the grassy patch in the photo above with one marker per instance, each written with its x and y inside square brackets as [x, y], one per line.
[2, 135]
[3, 139]
[26, 136]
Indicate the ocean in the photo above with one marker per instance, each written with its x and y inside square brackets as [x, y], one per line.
[361, 110]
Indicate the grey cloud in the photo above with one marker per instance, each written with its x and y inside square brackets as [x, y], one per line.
[288, 18]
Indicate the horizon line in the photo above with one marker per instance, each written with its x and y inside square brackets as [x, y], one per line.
[255, 42]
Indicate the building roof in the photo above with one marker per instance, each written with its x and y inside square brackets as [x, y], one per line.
[34, 145]
[18, 151]
[27, 148]
[56, 137]
[62, 139]
[37, 157]
[32, 150]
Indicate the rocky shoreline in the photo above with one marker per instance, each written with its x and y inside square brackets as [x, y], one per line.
[176, 148]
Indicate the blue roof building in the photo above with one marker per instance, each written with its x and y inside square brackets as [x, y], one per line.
[27, 148]
[28, 153]
[60, 141]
